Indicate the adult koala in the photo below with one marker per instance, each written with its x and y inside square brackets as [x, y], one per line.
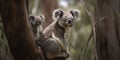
[53, 38]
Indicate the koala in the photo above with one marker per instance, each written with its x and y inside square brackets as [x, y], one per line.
[35, 22]
[53, 39]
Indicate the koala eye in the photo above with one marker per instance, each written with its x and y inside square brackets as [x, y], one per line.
[33, 22]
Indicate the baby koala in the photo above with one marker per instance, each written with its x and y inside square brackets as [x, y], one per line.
[53, 39]
[35, 22]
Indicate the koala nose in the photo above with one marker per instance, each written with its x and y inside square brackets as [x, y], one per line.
[69, 20]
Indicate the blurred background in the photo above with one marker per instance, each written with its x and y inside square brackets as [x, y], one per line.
[79, 34]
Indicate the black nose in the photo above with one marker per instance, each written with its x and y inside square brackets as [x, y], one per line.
[69, 21]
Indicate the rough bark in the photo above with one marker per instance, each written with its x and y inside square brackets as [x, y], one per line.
[108, 32]
[14, 17]
[47, 9]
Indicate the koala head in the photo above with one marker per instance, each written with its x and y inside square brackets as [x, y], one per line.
[66, 18]
[36, 20]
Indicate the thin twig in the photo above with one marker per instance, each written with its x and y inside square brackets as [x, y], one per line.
[85, 6]
[97, 24]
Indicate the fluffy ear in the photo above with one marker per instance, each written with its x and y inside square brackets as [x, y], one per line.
[75, 13]
[31, 17]
[42, 17]
[57, 14]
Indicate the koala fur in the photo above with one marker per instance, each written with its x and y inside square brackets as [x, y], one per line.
[35, 22]
[53, 39]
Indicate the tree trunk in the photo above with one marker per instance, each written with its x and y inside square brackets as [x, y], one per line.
[21, 41]
[108, 32]
[47, 9]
